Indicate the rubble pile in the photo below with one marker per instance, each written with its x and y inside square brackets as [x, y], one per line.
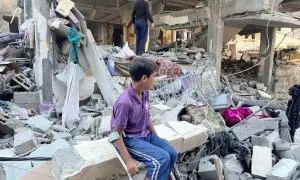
[232, 66]
[16, 65]
[219, 133]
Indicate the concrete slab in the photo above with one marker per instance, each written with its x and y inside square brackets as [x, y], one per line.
[170, 135]
[158, 109]
[39, 123]
[207, 169]
[27, 97]
[271, 123]
[24, 142]
[233, 168]
[265, 140]
[293, 153]
[193, 135]
[86, 123]
[171, 115]
[248, 128]
[261, 161]
[111, 90]
[60, 135]
[105, 126]
[283, 170]
[91, 160]
[2, 173]
[261, 19]
[281, 145]
[246, 176]
[59, 128]
[47, 150]
[263, 95]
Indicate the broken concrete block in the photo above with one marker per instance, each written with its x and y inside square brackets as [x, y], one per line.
[193, 135]
[82, 138]
[170, 135]
[86, 123]
[107, 111]
[281, 145]
[92, 160]
[261, 86]
[246, 176]
[248, 128]
[271, 123]
[293, 153]
[41, 140]
[24, 142]
[39, 123]
[233, 168]
[105, 126]
[261, 161]
[158, 109]
[47, 150]
[2, 173]
[16, 169]
[207, 169]
[265, 140]
[172, 103]
[5, 130]
[172, 115]
[59, 128]
[27, 97]
[96, 98]
[283, 170]
[263, 95]
[60, 135]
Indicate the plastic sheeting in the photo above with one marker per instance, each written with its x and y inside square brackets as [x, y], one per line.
[125, 52]
[71, 76]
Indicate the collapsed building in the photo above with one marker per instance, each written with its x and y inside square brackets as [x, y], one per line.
[69, 77]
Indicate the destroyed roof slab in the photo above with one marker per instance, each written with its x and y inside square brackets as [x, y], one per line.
[262, 20]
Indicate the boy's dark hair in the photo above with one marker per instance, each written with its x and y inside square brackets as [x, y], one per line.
[140, 67]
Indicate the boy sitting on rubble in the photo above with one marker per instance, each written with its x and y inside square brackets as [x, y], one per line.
[139, 141]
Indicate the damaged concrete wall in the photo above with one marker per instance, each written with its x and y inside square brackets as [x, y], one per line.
[285, 77]
[99, 31]
[244, 6]
[40, 14]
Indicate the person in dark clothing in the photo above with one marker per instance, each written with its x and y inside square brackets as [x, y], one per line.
[117, 37]
[140, 15]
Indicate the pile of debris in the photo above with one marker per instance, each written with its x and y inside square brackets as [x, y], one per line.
[16, 65]
[219, 134]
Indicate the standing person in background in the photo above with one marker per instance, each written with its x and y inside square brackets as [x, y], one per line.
[140, 15]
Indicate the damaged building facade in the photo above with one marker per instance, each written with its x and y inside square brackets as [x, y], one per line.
[64, 63]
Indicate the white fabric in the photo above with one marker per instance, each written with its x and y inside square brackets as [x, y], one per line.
[125, 52]
[73, 73]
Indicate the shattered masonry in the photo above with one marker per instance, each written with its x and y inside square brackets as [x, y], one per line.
[227, 118]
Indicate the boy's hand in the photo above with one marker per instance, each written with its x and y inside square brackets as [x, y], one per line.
[132, 167]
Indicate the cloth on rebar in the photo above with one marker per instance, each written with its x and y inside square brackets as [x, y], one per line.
[293, 109]
[74, 38]
[71, 76]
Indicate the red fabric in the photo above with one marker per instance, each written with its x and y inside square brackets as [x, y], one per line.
[168, 68]
[234, 116]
